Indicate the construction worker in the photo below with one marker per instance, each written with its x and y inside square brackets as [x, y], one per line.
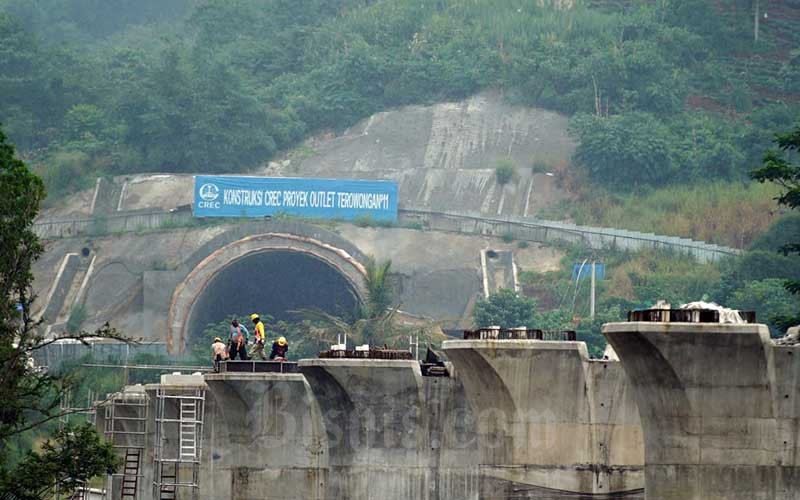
[279, 349]
[218, 352]
[237, 340]
[258, 345]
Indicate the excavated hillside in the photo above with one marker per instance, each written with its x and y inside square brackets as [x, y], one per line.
[442, 156]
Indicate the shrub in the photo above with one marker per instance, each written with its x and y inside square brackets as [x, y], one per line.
[540, 167]
[504, 170]
[505, 308]
[76, 318]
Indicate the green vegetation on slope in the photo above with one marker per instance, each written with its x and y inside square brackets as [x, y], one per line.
[112, 87]
[725, 213]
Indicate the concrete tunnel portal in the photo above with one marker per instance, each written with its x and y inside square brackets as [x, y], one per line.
[273, 282]
[269, 274]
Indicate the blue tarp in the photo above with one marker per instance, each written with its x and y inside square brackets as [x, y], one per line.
[586, 272]
[240, 196]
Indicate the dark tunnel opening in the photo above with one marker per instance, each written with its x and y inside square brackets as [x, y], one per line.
[273, 282]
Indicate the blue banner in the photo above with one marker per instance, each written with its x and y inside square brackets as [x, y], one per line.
[579, 272]
[239, 196]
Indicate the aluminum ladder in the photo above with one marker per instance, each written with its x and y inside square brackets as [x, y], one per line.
[188, 431]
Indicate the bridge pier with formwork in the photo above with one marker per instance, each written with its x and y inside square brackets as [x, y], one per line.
[179, 413]
[123, 418]
[720, 408]
[264, 436]
[551, 423]
[392, 433]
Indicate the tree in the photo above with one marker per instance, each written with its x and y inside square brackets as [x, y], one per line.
[67, 461]
[504, 171]
[506, 309]
[624, 151]
[380, 293]
[29, 396]
[769, 298]
[776, 167]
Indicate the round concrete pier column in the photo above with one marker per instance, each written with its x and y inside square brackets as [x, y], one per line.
[719, 406]
[550, 421]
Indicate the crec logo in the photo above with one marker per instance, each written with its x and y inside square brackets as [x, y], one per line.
[209, 192]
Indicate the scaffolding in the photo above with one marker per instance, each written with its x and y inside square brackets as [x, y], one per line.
[178, 440]
[66, 409]
[126, 415]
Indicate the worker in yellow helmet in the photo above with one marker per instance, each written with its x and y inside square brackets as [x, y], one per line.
[258, 345]
[279, 349]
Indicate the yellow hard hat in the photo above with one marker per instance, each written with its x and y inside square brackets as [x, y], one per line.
[217, 339]
[253, 316]
[282, 341]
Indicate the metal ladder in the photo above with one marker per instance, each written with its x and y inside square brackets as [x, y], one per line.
[188, 430]
[169, 488]
[130, 477]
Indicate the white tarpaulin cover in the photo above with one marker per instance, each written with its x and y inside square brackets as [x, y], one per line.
[725, 315]
[792, 337]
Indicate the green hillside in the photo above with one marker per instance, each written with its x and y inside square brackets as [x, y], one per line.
[672, 102]
[661, 92]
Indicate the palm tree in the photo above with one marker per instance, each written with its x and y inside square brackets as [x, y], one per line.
[380, 293]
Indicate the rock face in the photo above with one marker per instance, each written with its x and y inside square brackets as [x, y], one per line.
[720, 409]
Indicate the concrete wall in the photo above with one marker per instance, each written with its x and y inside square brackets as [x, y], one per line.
[393, 434]
[528, 229]
[720, 409]
[52, 355]
[463, 222]
[550, 421]
[60, 288]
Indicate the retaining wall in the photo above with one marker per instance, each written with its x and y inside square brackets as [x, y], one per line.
[519, 228]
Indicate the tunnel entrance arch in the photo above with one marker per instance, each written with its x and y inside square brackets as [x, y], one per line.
[265, 273]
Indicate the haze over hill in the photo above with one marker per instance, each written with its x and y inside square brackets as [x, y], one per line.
[505, 128]
[634, 107]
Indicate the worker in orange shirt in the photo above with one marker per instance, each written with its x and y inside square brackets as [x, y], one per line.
[258, 345]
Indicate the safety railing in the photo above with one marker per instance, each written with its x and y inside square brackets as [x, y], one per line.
[497, 333]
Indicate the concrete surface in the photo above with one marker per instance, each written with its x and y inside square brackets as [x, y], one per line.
[551, 423]
[264, 438]
[720, 409]
[393, 434]
[135, 275]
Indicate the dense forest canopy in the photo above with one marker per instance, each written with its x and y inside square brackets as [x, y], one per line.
[666, 91]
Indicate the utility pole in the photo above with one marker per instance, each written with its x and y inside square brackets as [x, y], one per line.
[591, 299]
[756, 20]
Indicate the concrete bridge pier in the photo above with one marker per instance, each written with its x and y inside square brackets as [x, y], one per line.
[264, 438]
[550, 422]
[720, 409]
[391, 434]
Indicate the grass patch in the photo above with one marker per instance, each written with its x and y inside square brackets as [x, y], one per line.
[725, 213]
